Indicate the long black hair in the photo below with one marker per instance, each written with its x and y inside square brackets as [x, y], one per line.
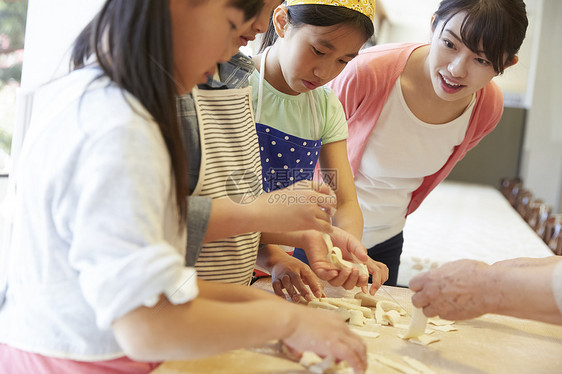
[320, 15]
[132, 43]
[500, 25]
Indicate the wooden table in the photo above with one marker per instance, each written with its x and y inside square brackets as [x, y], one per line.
[489, 344]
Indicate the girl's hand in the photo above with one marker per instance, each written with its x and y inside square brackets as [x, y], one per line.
[352, 250]
[324, 333]
[293, 276]
[302, 206]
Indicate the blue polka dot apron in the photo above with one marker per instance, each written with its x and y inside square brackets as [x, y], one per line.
[285, 158]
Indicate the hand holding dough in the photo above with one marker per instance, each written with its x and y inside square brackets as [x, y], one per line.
[336, 257]
[417, 324]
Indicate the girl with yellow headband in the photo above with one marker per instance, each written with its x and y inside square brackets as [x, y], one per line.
[298, 121]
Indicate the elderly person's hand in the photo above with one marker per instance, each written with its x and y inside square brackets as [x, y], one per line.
[455, 291]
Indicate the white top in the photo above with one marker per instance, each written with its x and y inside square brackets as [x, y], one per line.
[400, 152]
[95, 226]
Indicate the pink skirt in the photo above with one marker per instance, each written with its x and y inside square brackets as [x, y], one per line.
[15, 361]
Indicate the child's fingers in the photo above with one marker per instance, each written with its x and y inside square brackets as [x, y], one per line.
[329, 203]
[291, 283]
[314, 283]
[278, 288]
[300, 285]
[379, 272]
[322, 188]
[322, 224]
[324, 271]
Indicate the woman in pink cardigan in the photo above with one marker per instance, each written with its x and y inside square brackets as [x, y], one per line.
[415, 110]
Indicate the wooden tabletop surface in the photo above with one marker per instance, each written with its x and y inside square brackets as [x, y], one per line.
[489, 344]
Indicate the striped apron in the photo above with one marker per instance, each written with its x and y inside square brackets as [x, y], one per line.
[230, 168]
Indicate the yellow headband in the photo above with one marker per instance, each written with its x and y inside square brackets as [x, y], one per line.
[367, 7]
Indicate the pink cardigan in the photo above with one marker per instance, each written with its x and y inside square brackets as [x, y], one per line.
[364, 86]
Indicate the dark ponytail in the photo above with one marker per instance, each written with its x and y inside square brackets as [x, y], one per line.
[132, 43]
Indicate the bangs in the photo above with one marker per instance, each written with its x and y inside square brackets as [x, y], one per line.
[483, 27]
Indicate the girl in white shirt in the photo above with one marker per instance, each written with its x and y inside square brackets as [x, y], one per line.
[93, 275]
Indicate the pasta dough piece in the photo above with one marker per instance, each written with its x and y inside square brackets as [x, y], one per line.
[417, 324]
[392, 316]
[367, 334]
[379, 316]
[317, 365]
[386, 318]
[366, 299]
[428, 331]
[368, 313]
[424, 340]
[356, 318]
[344, 299]
[439, 322]
[445, 328]
[336, 257]
[341, 311]
[344, 313]
[416, 330]
[389, 305]
[322, 305]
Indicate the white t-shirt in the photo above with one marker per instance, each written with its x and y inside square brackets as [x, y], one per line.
[400, 152]
[95, 230]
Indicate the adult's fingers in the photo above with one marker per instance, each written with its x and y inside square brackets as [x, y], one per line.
[430, 310]
[353, 280]
[341, 278]
[420, 299]
[417, 282]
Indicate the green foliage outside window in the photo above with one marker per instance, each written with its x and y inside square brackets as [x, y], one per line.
[13, 14]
